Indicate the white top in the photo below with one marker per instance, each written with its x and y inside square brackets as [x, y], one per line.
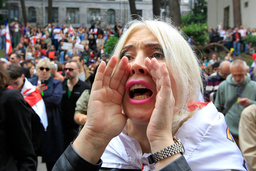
[3, 31]
[204, 137]
[56, 32]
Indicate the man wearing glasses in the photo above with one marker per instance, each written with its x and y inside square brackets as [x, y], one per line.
[72, 87]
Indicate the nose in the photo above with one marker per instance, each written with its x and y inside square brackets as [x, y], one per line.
[138, 66]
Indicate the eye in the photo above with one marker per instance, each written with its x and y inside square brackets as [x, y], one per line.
[158, 55]
[128, 54]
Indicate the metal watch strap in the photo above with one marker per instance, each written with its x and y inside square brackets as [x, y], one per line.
[171, 150]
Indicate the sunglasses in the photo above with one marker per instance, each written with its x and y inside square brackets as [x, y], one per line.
[70, 69]
[46, 69]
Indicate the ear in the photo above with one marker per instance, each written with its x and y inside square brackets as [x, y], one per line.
[23, 76]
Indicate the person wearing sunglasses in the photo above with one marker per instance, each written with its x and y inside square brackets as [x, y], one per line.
[51, 90]
[72, 87]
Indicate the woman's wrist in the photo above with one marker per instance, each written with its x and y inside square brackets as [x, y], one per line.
[163, 154]
[161, 143]
[92, 143]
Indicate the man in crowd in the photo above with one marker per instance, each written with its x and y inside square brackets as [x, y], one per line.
[83, 72]
[237, 42]
[17, 151]
[73, 87]
[15, 58]
[2, 37]
[56, 32]
[234, 94]
[243, 33]
[247, 136]
[33, 97]
[214, 80]
[213, 60]
[16, 29]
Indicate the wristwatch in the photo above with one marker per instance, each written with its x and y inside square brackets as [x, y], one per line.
[171, 150]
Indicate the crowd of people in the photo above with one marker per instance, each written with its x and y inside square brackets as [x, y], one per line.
[233, 38]
[127, 109]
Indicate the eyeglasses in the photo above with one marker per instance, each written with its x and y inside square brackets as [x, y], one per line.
[70, 69]
[42, 68]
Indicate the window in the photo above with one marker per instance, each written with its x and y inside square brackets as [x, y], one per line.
[32, 14]
[14, 12]
[226, 17]
[73, 15]
[55, 15]
[111, 16]
[93, 16]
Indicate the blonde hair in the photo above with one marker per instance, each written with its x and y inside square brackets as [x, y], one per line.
[181, 62]
[180, 59]
[43, 61]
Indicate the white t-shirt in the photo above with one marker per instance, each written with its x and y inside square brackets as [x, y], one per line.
[56, 30]
[16, 28]
[3, 31]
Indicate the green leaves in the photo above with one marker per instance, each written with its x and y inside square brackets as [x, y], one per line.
[250, 38]
[110, 45]
[198, 32]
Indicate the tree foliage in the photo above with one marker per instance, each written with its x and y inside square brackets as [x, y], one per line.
[110, 45]
[194, 25]
[197, 32]
[198, 13]
[250, 39]
[3, 17]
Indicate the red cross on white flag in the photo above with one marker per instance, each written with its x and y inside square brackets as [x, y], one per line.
[8, 40]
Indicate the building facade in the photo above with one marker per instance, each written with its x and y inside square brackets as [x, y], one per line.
[221, 12]
[85, 12]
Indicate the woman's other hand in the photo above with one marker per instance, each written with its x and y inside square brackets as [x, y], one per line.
[160, 124]
[159, 130]
[105, 119]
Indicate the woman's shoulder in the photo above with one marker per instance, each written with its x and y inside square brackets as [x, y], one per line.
[33, 80]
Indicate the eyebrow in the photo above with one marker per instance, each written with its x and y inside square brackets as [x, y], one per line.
[149, 45]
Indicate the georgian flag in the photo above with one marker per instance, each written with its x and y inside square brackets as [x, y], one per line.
[33, 97]
[71, 30]
[8, 40]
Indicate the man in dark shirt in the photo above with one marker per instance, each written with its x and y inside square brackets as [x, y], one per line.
[73, 87]
[236, 42]
[214, 80]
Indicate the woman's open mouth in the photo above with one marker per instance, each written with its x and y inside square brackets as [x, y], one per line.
[139, 91]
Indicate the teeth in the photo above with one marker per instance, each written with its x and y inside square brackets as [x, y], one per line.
[141, 97]
[136, 86]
